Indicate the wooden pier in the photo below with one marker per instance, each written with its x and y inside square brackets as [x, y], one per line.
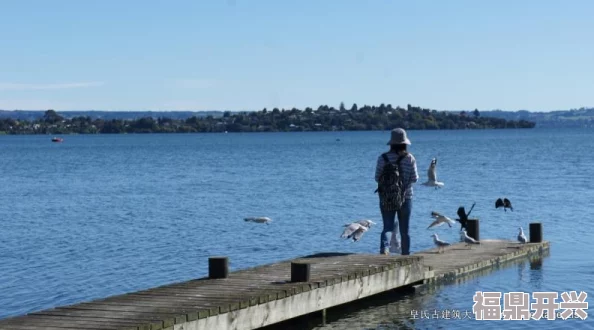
[264, 295]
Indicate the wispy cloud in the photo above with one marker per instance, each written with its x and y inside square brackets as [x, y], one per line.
[33, 87]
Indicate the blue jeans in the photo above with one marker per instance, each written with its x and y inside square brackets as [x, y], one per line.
[389, 221]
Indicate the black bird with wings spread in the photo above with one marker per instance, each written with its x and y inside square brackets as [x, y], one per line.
[505, 203]
[463, 216]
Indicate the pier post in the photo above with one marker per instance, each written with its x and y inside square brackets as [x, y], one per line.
[300, 272]
[535, 232]
[218, 267]
[473, 228]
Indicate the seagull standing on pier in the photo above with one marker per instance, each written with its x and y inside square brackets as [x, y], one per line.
[395, 246]
[432, 176]
[265, 220]
[505, 203]
[439, 243]
[440, 220]
[354, 231]
[469, 240]
[521, 237]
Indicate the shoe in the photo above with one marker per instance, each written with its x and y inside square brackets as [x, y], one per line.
[386, 252]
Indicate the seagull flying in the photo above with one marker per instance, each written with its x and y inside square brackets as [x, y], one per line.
[521, 237]
[365, 222]
[354, 231]
[505, 203]
[469, 240]
[439, 243]
[432, 176]
[463, 216]
[265, 220]
[440, 220]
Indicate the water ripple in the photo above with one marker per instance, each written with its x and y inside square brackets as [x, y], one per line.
[104, 215]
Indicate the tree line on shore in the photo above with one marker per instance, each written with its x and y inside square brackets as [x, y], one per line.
[324, 118]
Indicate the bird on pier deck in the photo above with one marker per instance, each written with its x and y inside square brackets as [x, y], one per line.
[505, 203]
[469, 240]
[439, 243]
[265, 220]
[521, 237]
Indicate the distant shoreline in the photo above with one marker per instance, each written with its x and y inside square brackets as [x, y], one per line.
[572, 118]
[366, 118]
[250, 132]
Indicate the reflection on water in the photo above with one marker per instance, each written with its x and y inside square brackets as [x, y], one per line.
[389, 310]
[395, 309]
[536, 274]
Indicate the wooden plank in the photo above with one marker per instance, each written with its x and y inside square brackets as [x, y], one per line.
[157, 320]
[78, 322]
[166, 308]
[43, 327]
[259, 291]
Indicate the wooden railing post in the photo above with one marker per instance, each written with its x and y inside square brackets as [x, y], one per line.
[535, 232]
[218, 267]
[473, 228]
[300, 272]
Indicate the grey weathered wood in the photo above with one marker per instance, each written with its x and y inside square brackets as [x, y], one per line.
[535, 232]
[262, 295]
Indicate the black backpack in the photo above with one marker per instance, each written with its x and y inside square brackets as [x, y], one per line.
[390, 185]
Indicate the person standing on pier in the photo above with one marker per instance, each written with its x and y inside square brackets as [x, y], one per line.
[396, 196]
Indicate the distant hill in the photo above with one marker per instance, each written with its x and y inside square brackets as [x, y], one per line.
[325, 118]
[583, 117]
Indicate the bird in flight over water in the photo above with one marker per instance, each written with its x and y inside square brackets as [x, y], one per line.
[505, 203]
[432, 176]
[440, 220]
[354, 230]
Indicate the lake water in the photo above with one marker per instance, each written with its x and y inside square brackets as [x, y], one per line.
[101, 215]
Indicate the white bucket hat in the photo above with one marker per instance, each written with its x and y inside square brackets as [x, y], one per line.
[398, 137]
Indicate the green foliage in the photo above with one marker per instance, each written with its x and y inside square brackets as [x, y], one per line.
[325, 118]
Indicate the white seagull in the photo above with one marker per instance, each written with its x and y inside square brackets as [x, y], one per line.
[365, 222]
[439, 243]
[440, 220]
[521, 237]
[432, 176]
[395, 243]
[265, 220]
[469, 240]
[462, 236]
[354, 231]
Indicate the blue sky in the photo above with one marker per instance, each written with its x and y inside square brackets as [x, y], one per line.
[243, 55]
